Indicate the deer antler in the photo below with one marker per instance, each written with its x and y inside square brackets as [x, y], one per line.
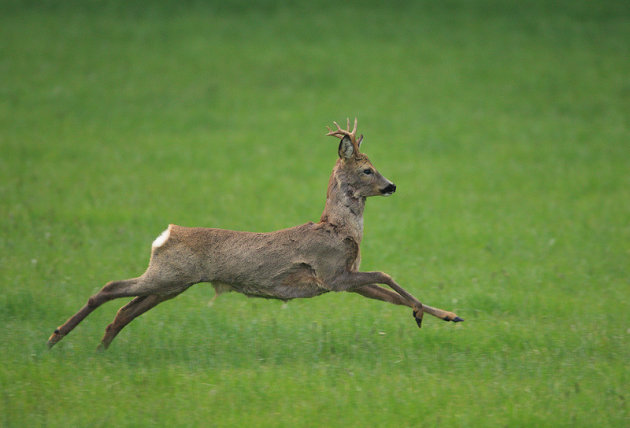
[340, 133]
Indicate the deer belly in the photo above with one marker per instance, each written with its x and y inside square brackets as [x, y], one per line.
[298, 281]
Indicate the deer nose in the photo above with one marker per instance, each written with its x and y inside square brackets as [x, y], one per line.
[391, 188]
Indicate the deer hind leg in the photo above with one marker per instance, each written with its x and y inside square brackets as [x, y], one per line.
[128, 313]
[113, 290]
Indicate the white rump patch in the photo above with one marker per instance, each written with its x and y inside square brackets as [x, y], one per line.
[160, 240]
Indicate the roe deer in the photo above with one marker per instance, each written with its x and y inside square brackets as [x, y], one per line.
[303, 261]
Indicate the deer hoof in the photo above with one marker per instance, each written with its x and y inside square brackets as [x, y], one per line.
[418, 318]
[54, 338]
[456, 319]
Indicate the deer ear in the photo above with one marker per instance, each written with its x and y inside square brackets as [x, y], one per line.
[346, 148]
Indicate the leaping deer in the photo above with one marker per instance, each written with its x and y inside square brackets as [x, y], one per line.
[302, 261]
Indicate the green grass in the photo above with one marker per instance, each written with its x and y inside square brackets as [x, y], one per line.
[505, 126]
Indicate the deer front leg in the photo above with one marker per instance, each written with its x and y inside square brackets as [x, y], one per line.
[353, 281]
[379, 293]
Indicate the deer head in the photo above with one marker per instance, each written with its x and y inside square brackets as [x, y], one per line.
[355, 169]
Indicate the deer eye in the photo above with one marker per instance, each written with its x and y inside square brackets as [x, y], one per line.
[367, 171]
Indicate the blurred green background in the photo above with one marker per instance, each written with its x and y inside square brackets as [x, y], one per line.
[505, 125]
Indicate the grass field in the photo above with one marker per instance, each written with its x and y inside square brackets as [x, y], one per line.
[505, 126]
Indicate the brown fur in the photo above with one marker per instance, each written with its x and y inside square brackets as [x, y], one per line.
[302, 261]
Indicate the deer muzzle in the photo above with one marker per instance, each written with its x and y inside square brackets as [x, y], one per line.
[389, 190]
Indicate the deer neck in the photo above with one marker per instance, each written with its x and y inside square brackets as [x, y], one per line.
[343, 209]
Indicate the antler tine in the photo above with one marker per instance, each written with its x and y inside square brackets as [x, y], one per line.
[340, 132]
